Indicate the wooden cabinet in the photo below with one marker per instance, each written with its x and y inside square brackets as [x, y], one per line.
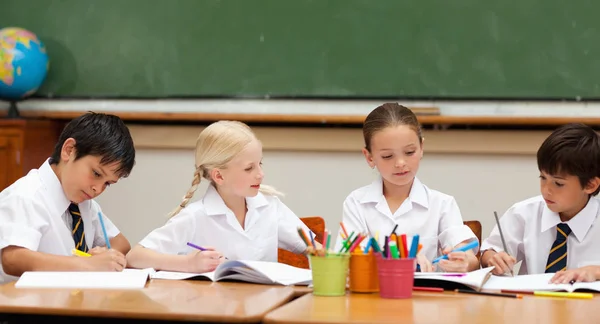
[24, 145]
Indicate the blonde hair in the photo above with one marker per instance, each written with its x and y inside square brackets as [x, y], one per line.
[216, 146]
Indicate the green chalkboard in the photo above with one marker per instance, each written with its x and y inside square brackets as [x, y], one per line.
[302, 48]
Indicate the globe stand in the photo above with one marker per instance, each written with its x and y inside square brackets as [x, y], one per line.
[13, 111]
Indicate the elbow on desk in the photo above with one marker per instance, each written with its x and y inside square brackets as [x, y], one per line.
[11, 260]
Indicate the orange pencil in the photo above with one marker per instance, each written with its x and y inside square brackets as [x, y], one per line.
[344, 230]
[305, 237]
[302, 236]
[419, 249]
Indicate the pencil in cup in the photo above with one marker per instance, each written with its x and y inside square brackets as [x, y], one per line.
[396, 276]
[329, 274]
[364, 277]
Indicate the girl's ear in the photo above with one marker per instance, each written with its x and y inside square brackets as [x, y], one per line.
[216, 176]
[368, 157]
[422, 147]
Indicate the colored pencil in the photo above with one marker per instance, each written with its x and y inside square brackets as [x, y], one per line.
[463, 291]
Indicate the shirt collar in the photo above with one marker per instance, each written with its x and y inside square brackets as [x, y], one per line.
[579, 224]
[214, 204]
[57, 198]
[374, 194]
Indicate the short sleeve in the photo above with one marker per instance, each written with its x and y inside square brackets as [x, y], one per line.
[513, 226]
[452, 230]
[21, 222]
[287, 231]
[172, 238]
[111, 229]
[352, 219]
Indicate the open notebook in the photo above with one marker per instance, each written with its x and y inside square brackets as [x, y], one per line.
[247, 271]
[474, 280]
[537, 282]
[260, 272]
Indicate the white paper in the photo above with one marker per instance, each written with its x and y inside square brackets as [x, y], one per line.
[536, 282]
[172, 275]
[130, 279]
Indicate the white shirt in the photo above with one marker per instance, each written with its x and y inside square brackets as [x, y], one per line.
[32, 215]
[431, 214]
[269, 224]
[529, 229]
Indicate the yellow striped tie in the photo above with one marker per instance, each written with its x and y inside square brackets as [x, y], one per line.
[78, 233]
[557, 258]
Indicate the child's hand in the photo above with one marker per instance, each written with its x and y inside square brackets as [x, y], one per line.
[457, 261]
[204, 261]
[109, 260]
[502, 262]
[424, 264]
[583, 274]
[97, 250]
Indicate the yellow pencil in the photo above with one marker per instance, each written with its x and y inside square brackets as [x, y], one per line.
[80, 253]
[563, 294]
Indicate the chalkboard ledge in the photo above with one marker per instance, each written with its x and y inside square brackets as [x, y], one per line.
[294, 112]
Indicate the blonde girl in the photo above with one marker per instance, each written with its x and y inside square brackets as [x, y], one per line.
[238, 216]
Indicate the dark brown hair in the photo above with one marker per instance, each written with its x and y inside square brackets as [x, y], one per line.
[572, 149]
[101, 135]
[389, 115]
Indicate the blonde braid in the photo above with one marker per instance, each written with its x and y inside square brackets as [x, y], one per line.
[189, 194]
[270, 191]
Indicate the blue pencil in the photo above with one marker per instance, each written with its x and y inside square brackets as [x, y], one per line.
[414, 246]
[312, 238]
[104, 230]
[464, 248]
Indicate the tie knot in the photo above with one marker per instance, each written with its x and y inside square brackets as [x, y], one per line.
[563, 229]
[74, 210]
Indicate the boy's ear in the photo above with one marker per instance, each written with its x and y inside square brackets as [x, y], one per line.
[592, 185]
[68, 150]
[368, 157]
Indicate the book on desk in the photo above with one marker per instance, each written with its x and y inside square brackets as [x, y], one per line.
[483, 279]
[260, 272]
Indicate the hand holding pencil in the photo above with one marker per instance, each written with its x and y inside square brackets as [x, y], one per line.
[110, 260]
[502, 262]
[457, 261]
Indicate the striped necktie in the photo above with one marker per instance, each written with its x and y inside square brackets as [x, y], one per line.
[78, 233]
[557, 259]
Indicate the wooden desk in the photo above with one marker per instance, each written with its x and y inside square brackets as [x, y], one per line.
[180, 300]
[447, 308]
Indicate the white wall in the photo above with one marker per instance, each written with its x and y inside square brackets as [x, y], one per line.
[316, 183]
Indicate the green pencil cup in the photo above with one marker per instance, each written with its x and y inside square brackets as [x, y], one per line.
[329, 274]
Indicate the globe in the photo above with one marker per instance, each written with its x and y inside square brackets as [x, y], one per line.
[23, 63]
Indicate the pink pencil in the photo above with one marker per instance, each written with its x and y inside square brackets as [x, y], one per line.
[357, 242]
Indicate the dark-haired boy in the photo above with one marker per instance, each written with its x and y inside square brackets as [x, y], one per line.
[558, 231]
[50, 211]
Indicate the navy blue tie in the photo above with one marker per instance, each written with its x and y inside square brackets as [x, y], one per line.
[557, 258]
[78, 233]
